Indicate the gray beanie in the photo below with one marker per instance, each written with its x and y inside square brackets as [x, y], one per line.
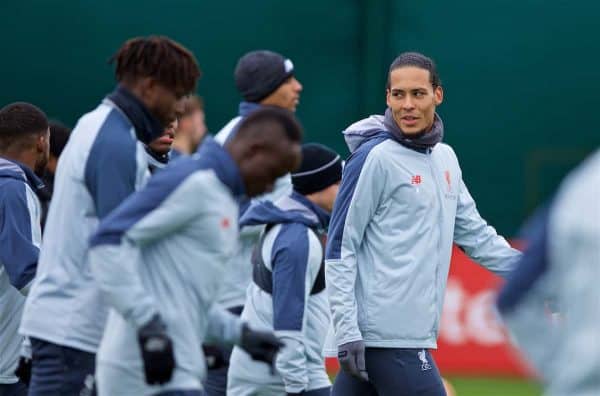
[259, 73]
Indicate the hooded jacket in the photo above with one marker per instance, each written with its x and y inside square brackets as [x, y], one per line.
[292, 251]
[164, 250]
[20, 239]
[396, 216]
[101, 165]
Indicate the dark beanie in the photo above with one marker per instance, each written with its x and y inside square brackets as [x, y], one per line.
[259, 73]
[320, 168]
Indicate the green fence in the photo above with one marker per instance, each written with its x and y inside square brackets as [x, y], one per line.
[520, 78]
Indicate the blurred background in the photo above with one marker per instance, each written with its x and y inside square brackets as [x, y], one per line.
[520, 80]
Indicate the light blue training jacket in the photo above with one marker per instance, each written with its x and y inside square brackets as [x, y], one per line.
[550, 302]
[237, 280]
[20, 240]
[165, 250]
[292, 252]
[395, 219]
[101, 165]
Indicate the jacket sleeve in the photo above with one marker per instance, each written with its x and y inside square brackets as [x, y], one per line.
[524, 300]
[359, 196]
[19, 252]
[531, 266]
[115, 269]
[293, 276]
[480, 240]
[223, 326]
[110, 175]
[146, 216]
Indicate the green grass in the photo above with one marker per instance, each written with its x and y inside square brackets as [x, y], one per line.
[483, 386]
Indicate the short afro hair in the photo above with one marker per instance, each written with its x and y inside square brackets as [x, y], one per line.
[20, 121]
[270, 115]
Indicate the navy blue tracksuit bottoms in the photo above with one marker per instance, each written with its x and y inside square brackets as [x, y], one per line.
[61, 371]
[393, 372]
[16, 389]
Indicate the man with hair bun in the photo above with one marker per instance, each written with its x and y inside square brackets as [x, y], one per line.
[24, 150]
[102, 164]
[402, 204]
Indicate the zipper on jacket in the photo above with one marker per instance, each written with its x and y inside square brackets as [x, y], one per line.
[440, 222]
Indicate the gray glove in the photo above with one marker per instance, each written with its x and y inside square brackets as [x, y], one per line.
[351, 356]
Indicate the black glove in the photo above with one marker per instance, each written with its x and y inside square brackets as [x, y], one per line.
[214, 356]
[261, 345]
[157, 351]
[23, 371]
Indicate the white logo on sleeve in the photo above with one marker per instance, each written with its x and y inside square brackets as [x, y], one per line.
[288, 65]
[424, 362]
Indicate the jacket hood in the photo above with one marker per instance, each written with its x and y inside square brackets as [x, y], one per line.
[294, 208]
[363, 130]
[15, 170]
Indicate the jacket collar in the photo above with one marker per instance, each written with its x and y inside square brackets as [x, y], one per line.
[146, 125]
[247, 108]
[321, 215]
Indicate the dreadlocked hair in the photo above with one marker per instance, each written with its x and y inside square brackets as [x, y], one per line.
[159, 57]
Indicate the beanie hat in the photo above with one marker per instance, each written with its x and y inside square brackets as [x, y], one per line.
[321, 167]
[259, 73]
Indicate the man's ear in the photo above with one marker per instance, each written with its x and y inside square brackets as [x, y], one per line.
[41, 142]
[438, 94]
[254, 147]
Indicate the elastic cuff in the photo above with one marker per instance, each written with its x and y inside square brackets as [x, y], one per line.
[295, 388]
[349, 339]
[141, 317]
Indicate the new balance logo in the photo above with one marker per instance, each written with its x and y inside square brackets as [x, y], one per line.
[424, 362]
[415, 180]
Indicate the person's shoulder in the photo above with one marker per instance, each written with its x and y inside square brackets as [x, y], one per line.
[92, 120]
[446, 151]
[222, 135]
[115, 127]
[368, 151]
[292, 237]
[115, 139]
[12, 188]
[579, 190]
[445, 148]
[198, 184]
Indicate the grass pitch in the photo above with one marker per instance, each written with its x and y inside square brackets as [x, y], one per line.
[478, 386]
